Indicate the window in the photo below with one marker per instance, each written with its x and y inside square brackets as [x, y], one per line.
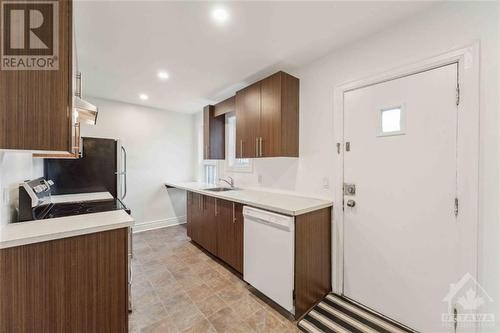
[235, 164]
[210, 172]
[391, 121]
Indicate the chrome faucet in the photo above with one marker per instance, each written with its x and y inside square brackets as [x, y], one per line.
[230, 181]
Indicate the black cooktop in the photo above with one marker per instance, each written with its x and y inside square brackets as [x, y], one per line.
[78, 208]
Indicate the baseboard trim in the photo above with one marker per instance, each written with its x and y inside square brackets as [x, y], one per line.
[158, 224]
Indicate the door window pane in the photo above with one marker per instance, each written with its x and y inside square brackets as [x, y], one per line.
[391, 121]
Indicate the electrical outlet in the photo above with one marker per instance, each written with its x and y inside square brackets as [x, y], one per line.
[326, 183]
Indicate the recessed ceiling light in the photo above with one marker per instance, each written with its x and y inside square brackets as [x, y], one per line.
[220, 15]
[144, 97]
[162, 75]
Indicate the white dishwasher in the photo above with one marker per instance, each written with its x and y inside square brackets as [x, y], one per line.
[269, 252]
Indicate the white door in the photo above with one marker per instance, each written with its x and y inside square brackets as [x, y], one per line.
[401, 238]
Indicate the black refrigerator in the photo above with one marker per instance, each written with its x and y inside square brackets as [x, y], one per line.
[102, 167]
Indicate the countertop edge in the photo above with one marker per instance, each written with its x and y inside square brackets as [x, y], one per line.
[253, 204]
[22, 237]
[62, 235]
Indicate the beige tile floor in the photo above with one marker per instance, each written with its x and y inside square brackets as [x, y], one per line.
[179, 288]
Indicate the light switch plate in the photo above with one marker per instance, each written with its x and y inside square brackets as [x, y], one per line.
[326, 183]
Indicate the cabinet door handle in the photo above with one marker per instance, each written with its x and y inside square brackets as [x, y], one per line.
[234, 212]
[260, 147]
[257, 147]
[215, 206]
[241, 148]
[79, 84]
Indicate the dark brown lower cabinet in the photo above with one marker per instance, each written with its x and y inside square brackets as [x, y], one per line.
[230, 233]
[238, 234]
[208, 224]
[201, 221]
[217, 226]
[76, 284]
[189, 214]
[313, 265]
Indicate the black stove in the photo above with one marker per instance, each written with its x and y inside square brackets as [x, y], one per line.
[35, 203]
[78, 208]
[51, 211]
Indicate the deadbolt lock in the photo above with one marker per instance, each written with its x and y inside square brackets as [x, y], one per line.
[349, 189]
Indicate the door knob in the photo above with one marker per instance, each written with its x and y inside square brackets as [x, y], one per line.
[351, 203]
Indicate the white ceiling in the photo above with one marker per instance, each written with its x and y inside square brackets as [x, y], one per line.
[122, 44]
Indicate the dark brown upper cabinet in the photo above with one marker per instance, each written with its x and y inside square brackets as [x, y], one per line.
[36, 105]
[225, 106]
[247, 121]
[267, 118]
[214, 135]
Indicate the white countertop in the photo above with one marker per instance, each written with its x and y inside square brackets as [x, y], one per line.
[281, 203]
[22, 233]
[78, 197]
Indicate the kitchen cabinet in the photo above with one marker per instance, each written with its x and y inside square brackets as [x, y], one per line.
[313, 258]
[74, 284]
[201, 221]
[42, 110]
[217, 226]
[36, 105]
[189, 214]
[81, 111]
[267, 118]
[195, 215]
[230, 233]
[225, 106]
[214, 135]
[208, 224]
[247, 121]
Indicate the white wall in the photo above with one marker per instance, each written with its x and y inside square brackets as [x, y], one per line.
[198, 148]
[160, 147]
[15, 167]
[446, 27]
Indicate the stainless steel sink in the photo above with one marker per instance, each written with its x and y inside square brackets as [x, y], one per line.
[220, 189]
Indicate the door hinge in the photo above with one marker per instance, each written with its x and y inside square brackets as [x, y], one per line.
[455, 319]
[458, 94]
[338, 147]
[456, 206]
[347, 146]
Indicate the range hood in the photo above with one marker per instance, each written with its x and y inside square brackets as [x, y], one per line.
[86, 112]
